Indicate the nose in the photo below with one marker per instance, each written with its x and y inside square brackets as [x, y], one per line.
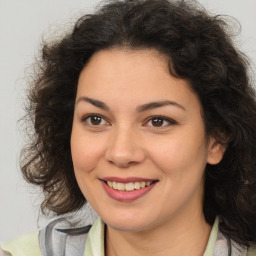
[125, 148]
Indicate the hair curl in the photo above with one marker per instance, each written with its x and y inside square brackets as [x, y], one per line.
[201, 51]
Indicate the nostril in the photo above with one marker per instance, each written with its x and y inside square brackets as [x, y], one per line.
[125, 158]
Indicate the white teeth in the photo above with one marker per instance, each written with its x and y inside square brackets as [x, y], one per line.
[120, 186]
[136, 185]
[143, 184]
[114, 185]
[130, 186]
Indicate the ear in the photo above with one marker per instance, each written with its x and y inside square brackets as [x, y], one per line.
[216, 151]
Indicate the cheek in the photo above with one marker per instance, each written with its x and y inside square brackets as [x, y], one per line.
[180, 155]
[86, 151]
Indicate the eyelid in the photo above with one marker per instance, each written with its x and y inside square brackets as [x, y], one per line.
[86, 117]
[167, 119]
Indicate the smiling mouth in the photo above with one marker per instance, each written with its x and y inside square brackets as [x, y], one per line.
[129, 186]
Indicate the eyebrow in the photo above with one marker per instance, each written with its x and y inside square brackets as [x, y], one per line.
[142, 108]
[158, 104]
[96, 103]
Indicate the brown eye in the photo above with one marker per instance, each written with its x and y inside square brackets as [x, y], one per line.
[94, 120]
[157, 122]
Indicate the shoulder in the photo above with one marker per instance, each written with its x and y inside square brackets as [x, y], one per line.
[60, 236]
[220, 244]
[252, 251]
[26, 245]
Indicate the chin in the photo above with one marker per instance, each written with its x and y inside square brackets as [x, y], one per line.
[127, 223]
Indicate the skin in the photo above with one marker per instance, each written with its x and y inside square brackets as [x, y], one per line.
[127, 142]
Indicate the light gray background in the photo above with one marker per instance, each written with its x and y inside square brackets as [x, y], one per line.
[22, 23]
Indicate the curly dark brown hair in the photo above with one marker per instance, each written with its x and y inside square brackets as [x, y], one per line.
[201, 51]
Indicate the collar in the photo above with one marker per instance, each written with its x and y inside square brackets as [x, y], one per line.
[95, 241]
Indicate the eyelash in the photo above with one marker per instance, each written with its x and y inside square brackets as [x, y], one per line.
[164, 120]
[87, 117]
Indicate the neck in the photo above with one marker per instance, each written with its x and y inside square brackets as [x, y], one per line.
[174, 238]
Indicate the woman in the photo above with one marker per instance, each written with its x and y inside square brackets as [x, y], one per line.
[145, 111]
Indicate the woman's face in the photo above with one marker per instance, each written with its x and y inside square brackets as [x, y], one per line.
[138, 141]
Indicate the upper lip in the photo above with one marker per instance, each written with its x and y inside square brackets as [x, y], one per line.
[127, 180]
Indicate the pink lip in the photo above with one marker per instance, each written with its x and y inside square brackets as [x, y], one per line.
[126, 180]
[126, 196]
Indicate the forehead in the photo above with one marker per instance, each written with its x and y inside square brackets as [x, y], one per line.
[137, 76]
[124, 61]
